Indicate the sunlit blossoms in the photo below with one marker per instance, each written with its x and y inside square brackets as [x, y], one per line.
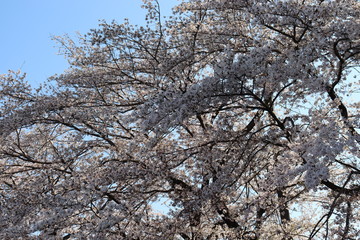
[234, 119]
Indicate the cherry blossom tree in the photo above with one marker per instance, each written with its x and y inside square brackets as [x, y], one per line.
[240, 118]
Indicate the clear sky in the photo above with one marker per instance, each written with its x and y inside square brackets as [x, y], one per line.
[27, 27]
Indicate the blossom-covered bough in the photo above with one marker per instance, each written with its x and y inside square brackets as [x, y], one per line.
[241, 116]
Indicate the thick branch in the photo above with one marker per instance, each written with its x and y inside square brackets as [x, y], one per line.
[284, 211]
[223, 211]
[343, 190]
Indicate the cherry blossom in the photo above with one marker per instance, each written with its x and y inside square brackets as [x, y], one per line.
[239, 118]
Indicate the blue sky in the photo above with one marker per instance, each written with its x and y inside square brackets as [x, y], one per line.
[27, 27]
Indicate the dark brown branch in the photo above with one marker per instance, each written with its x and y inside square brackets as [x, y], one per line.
[347, 221]
[342, 190]
[174, 181]
[284, 211]
[198, 116]
[223, 211]
[259, 213]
